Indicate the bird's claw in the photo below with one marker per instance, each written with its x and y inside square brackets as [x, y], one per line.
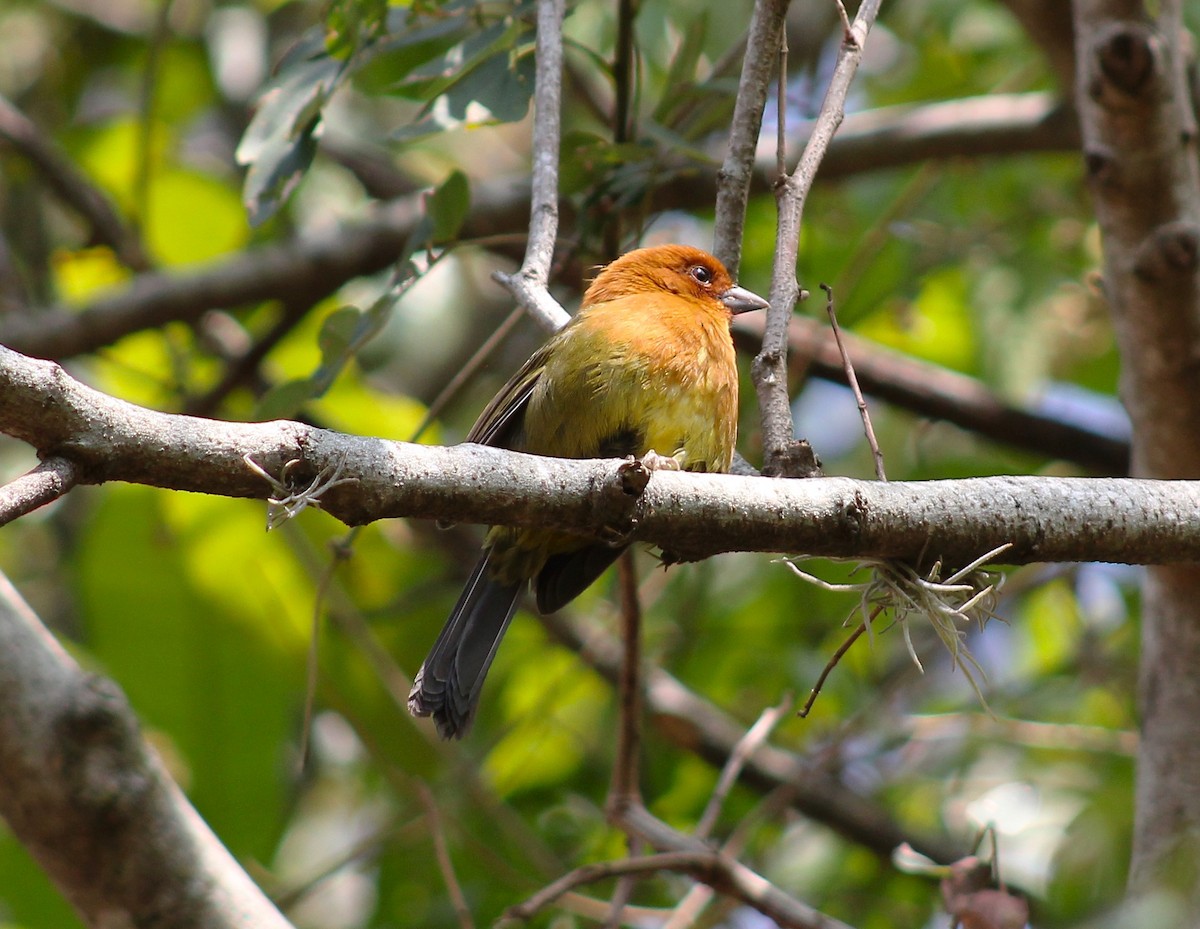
[618, 536]
[653, 461]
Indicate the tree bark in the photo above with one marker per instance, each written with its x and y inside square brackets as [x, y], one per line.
[1140, 152]
[81, 790]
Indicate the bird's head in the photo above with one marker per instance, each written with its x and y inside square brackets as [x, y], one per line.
[676, 269]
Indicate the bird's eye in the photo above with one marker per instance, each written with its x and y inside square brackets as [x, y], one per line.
[702, 274]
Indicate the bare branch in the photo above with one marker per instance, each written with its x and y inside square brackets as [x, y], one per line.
[44, 484]
[706, 865]
[852, 378]
[88, 798]
[940, 393]
[694, 515]
[727, 875]
[689, 721]
[71, 186]
[315, 264]
[624, 787]
[1139, 130]
[438, 833]
[737, 170]
[755, 736]
[770, 367]
[530, 284]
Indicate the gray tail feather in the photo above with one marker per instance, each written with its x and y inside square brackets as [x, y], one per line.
[448, 685]
[565, 576]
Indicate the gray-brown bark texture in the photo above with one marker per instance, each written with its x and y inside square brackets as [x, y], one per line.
[1140, 153]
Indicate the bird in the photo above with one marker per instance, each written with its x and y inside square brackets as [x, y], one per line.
[646, 368]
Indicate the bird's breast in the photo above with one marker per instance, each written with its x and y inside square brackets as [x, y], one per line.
[627, 385]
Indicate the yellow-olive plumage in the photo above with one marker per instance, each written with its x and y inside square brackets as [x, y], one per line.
[646, 365]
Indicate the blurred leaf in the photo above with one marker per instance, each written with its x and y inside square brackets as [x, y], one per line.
[393, 59]
[192, 218]
[935, 325]
[280, 142]
[81, 275]
[286, 400]
[682, 71]
[337, 332]
[287, 109]
[448, 206]
[344, 333]
[676, 144]
[352, 23]
[500, 85]
[484, 70]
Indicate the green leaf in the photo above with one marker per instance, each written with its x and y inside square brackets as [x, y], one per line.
[226, 610]
[281, 140]
[271, 179]
[391, 61]
[682, 72]
[448, 205]
[353, 23]
[337, 332]
[284, 401]
[288, 108]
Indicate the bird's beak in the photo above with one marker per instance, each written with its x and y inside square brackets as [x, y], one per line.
[740, 300]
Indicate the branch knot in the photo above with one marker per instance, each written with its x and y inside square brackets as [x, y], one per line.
[1127, 56]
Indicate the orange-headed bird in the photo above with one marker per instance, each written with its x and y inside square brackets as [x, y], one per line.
[646, 365]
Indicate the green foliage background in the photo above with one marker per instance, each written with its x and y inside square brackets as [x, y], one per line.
[979, 265]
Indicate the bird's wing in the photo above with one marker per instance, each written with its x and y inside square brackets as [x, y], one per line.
[502, 419]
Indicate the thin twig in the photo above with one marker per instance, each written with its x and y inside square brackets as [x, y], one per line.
[144, 152]
[624, 63]
[457, 899]
[706, 865]
[625, 791]
[770, 367]
[697, 899]
[591, 873]
[737, 169]
[841, 8]
[727, 875]
[51, 479]
[359, 851]
[832, 663]
[530, 285]
[781, 98]
[623, 892]
[342, 549]
[852, 380]
[243, 368]
[625, 788]
[468, 371]
[747, 745]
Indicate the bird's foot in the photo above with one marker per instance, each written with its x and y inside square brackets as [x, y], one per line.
[653, 461]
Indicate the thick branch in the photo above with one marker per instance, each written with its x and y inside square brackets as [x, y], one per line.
[1139, 132]
[940, 393]
[86, 796]
[691, 515]
[71, 186]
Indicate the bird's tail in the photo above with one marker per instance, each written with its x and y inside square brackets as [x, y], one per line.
[447, 686]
